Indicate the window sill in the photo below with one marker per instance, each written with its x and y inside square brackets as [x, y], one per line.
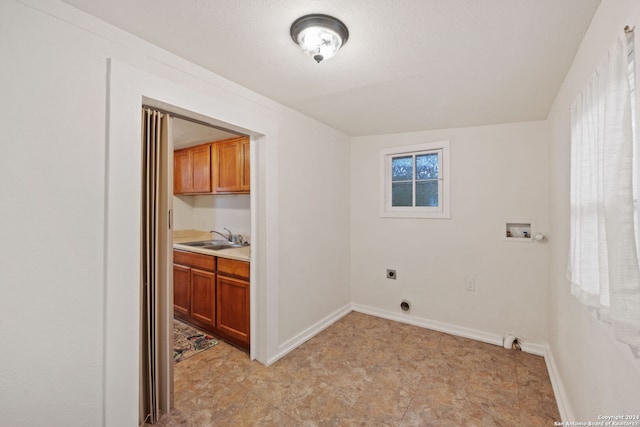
[425, 215]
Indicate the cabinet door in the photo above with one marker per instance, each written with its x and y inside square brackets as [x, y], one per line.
[227, 166]
[232, 309]
[203, 296]
[182, 172]
[192, 170]
[245, 179]
[201, 167]
[181, 290]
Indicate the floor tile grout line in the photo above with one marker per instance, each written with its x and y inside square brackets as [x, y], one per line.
[274, 406]
[422, 378]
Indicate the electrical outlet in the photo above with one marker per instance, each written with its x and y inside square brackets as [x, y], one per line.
[470, 284]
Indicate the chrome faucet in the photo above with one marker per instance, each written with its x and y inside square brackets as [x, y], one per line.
[233, 238]
[229, 237]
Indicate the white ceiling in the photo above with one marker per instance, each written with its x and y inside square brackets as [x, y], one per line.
[408, 65]
[186, 133]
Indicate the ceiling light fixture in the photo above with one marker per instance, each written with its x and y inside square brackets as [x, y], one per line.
[319, 36]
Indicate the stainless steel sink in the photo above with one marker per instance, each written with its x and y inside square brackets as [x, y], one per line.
[194, 243]
[206, 243]
[213, 244]
[225, 246]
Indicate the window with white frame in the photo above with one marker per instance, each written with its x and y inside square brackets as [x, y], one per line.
[415, 181]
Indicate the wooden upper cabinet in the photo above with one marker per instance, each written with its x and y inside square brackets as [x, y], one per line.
[192, 170]
[245, 178]
[182, 171]
[227, 157]
[221, 167]
[202, 169]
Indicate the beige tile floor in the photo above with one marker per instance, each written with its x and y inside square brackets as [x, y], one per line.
[366, 371]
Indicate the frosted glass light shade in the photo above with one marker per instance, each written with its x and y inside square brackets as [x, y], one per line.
[319, 36]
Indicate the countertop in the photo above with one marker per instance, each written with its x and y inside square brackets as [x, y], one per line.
[183, 236]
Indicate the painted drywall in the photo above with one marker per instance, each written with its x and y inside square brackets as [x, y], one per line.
[58, 197]
[183, 213]
[597, 376]
[497, 173]
[213, 212]
[320, 208]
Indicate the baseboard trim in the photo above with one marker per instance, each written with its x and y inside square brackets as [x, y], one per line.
[537, 349]
[566, 413]
[309, 333]
[431, 324]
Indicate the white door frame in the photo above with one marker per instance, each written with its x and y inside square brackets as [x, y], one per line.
[128, 89]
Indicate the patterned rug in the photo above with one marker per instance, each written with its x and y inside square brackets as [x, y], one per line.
[188, 341]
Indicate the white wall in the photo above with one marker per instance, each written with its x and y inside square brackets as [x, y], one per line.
[183, 213]
[597, 375]
[213, 212]
[497, 173]
[57, 333]
[314, 193]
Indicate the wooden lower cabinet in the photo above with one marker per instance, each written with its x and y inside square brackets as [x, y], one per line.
[181, 291]
[212, 293]
[232, 307]
[194, 288]
[232, 300]
[203, 296]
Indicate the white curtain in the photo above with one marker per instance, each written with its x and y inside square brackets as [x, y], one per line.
[603, 261]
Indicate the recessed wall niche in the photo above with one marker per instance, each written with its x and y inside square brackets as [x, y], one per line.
[518, 230]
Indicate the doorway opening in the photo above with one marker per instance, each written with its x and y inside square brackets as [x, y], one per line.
[194, 216]
[128, 89]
